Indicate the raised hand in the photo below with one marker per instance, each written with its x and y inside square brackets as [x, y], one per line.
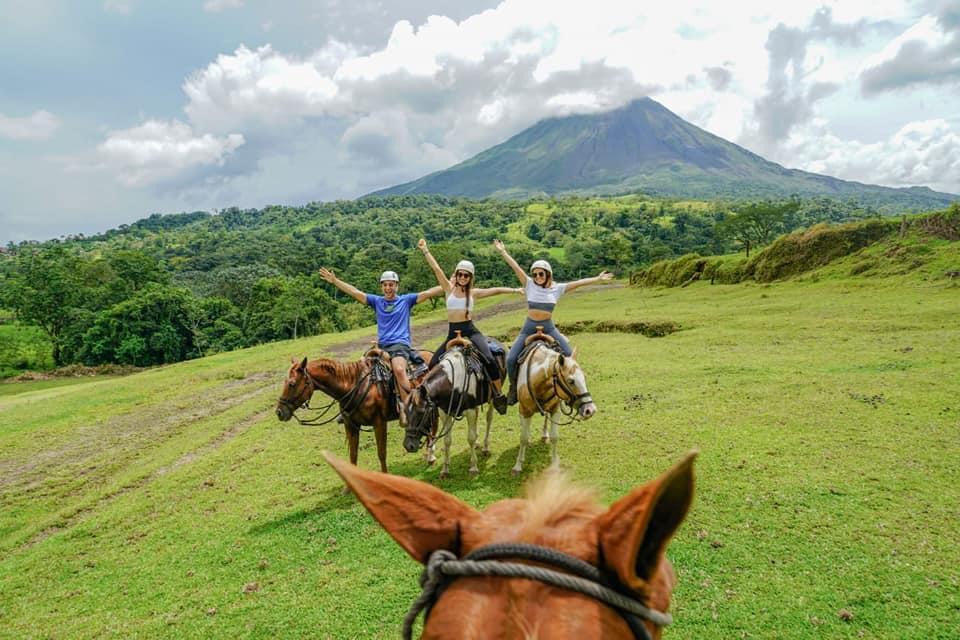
[327, 275]
[498, 245]
[422, 245]
[605, 275]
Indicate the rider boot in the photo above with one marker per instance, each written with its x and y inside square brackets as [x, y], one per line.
[499, 400]
[512, 394]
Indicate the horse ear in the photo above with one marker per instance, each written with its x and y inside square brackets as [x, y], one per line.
[303, 363]
[573, 354]
[635, 531]
[420, 517]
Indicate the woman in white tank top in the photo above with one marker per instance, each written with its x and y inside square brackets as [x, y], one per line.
[461, 295]
[542, 296]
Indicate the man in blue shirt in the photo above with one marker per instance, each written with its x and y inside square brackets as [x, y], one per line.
[393, 321]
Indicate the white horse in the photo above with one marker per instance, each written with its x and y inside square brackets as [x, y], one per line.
[449, 390]
[552, 385]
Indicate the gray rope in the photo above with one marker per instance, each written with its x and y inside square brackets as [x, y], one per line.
[444, 563]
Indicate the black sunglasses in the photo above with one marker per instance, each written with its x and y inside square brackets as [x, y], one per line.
[463, 274]
[537, 274]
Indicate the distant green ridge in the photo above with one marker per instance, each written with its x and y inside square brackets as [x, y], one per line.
[643, 147]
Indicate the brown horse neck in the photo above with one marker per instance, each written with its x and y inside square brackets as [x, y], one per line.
[335, 379]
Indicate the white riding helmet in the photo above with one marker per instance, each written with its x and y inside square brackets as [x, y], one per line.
[542, 264]
[465, 265]
[389, 275]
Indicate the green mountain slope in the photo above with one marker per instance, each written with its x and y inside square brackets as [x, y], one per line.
[641, 147]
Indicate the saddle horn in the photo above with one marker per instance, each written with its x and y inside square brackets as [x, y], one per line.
[540, 335]
[457, 341]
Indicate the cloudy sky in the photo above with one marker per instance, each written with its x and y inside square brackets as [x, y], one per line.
[114, 109]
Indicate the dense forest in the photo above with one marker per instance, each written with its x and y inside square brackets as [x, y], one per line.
[174, 287]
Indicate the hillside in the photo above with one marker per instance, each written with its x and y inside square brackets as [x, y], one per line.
[171, 503]
[643, 147]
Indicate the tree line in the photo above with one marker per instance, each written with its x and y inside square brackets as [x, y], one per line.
[173, 287]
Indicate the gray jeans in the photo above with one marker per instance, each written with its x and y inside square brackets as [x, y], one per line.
[529, 328]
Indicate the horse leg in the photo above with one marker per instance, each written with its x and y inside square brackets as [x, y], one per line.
[546, 427]
[447, 441]
[486, 437]
[380, 433]
[524, 443]
[353, 445]
[554, 439]
[472, 440]
[430, 451]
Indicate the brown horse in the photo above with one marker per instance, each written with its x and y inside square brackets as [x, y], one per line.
[620, 550]
[361, 388]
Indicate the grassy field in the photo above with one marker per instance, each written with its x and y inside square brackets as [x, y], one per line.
[171, 503]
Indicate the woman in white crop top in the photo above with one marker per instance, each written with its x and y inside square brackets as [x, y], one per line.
[542, 296]
[461, 295]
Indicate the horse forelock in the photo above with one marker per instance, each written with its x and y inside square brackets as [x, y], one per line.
[552, 499]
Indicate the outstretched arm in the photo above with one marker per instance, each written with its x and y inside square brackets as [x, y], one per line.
[521, 274]
[437, 271]
[604, 276]
[432, 292]
[347, 288]
[494, 291]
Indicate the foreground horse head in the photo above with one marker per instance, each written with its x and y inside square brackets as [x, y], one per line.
[624, 544]
[297, 390]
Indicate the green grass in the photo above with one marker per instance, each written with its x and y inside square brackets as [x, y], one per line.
[825, 410]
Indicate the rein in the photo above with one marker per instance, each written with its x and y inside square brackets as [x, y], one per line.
[576, 575]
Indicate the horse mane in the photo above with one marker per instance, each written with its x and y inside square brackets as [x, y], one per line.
[551, 498]
[343, 371]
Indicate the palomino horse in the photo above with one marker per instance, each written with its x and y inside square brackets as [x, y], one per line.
[551, 384]
[361, 389]
[606, 575]
[455, 387]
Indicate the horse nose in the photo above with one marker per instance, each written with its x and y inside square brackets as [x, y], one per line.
[587, 410]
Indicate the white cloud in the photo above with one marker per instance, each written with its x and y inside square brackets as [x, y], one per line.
[260, 87]
[926, 53]
[216, 6]
[158, 151]
[40, 125]
[925, 153]
[438, 92]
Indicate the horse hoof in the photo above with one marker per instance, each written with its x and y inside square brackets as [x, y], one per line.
[346, 491]
[444, 475]
[514, 472]
[474, 473]
[545, 439]
[485, 453]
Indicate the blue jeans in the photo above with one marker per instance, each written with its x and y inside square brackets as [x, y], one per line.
[529, 328]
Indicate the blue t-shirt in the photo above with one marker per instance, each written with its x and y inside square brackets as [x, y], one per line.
[393, 317]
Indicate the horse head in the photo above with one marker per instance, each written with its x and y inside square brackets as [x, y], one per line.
[624, 545]
[573, 383]
[297, 390]
[421, 417]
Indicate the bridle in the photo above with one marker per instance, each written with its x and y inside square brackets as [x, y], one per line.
[573, 401]
[577, 575]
